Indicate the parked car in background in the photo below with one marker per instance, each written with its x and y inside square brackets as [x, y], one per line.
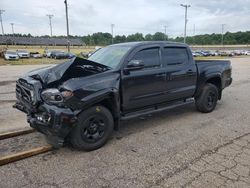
[23, 53]
[206, 53]
[62, 55]
[215, 53]
[87, 55]
[199, 54]
[49, 53]
[230, 54]
[55, 53]
[10, 55]
[238, 52]
[221, 53]
[59, 55]
[196, 54]
[70, 55]
[35, 55]
[46, 53]
[246, 53]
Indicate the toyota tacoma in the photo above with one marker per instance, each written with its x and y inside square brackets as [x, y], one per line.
[83, 100]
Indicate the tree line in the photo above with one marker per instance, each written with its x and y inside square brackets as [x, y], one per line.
[104, 39]
[206, 39]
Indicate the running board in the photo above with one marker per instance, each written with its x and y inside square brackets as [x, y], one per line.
[156, 109]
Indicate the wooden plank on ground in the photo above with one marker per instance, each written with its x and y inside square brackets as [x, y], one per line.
[16, 133]
[25, 154]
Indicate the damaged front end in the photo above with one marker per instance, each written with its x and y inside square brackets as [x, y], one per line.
[52, 98]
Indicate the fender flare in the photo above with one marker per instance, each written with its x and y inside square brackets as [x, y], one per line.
[208, 77]
[111, 94]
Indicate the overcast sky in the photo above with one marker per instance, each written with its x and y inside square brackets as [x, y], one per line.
[129, 16]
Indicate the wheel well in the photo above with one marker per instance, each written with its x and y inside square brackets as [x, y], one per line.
[217, 82]
[110, 105]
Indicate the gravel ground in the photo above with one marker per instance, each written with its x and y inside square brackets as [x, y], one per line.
[11, 119]
[11, 73]
[176, 148]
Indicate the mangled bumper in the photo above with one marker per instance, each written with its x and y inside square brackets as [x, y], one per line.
[55, 122]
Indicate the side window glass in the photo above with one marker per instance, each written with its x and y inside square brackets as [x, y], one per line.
[175, 56]
[150, 57]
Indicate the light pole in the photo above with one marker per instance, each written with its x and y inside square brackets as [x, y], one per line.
[67, 24]
[1, 20]
[12, 27]
[50, 16]
[222, 34]
[165, 30]
[186, 20]
[194, 29]
[112, 32]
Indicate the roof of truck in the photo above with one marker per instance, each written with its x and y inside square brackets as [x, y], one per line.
[140, 43]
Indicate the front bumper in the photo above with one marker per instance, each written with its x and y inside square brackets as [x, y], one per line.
[11, 58]
[55, 122]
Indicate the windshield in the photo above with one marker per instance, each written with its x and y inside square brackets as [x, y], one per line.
[10, 52]
[110, 56]
[22, 51]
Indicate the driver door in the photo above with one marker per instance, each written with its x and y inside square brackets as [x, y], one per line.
[145, 86]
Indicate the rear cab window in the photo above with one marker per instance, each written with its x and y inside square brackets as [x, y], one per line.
[175, 56]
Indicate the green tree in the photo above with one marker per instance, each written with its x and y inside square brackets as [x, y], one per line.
[149, 37]
[135, 37]
[159, 36]
[120, 39]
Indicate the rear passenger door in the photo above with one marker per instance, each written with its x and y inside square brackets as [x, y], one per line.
[147, 86]
[181, 72]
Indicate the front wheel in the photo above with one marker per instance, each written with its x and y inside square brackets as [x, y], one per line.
[207, 100]
[93, 129]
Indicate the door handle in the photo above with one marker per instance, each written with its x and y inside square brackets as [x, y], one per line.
[190, 72]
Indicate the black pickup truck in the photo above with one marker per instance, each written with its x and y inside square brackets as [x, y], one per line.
[84, 100]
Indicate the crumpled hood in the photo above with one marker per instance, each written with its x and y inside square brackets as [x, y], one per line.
[55, 73]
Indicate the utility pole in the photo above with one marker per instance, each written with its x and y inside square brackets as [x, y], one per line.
[1, 20]
[186, 20]
[50, 24]
[222, 34]
[112, 32]
[165, 30]
[194, 34]
[12, 27]
[67, 24]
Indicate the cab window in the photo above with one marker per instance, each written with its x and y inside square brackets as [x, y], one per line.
[150, 57]
[175, 56]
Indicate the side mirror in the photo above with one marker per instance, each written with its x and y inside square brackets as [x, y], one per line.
[134, 65]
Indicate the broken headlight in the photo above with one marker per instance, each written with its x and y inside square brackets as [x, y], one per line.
[54, 96]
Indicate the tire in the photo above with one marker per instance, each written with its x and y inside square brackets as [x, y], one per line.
[93, 129]
[207, 100]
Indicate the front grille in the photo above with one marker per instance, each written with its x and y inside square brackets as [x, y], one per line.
[24, 90]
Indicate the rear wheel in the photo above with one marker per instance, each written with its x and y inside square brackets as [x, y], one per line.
[207, 100]
[94, 127]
